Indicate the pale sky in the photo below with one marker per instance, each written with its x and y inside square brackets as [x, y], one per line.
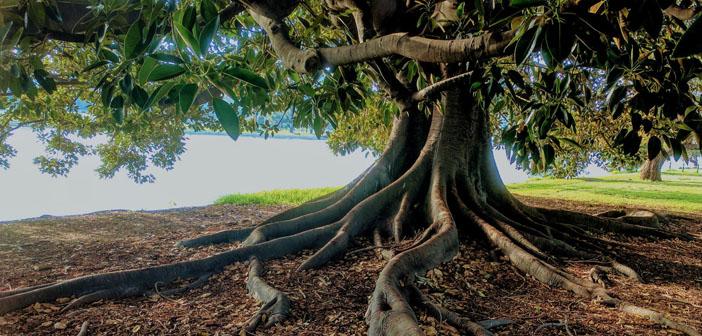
[212, 166]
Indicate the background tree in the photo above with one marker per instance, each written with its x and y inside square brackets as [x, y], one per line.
[451, 68]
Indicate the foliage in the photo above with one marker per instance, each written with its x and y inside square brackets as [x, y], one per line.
[149, 70]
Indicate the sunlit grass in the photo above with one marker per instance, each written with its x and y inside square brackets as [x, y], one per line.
[281, 196]
[681, 191]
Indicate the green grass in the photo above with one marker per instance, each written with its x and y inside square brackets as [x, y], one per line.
[678, 191]
[272, 197]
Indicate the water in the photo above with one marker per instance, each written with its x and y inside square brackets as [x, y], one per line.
[212, 166]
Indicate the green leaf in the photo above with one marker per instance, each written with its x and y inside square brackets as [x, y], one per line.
[117, 106]
[139, 97]
[132, 41]
[227, 117]
[187, 96]
[616, 96]
[45, 80]
[559, 39]
[318, 126]
[526, 44]
[247, 76]
[165, 71]
[690, 42]
[146, 69]
[460, 10]
[95, 65]
[126, 84]
[631, 143]
[187, 36]
[677, 148]
[549, 155]
[207, 34]
[168, 58]
[159, 93]
[208, 9]
[109, 54]
[654, 147]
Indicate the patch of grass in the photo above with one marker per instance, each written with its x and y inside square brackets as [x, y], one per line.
[680, 191]
[274, 197]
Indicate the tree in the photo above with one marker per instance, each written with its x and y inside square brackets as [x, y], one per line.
[453, 70]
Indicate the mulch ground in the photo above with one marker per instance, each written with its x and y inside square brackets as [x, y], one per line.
[329, 301]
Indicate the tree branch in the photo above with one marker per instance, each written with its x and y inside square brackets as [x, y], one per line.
[440, 86]
[420, 48]
[303, 61]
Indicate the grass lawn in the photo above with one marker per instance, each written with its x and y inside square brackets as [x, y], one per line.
[280, 196]
[678, 191]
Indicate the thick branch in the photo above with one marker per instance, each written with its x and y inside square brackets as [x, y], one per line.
[420, 49]
[440, 86]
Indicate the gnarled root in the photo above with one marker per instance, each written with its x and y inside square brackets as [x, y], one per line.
[443, 314]
[276, 304]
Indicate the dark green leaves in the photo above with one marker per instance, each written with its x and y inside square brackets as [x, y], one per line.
[185, 38]
[132, 40]
[117, 106]
[559, 39]
[95, 65]
[615, 101]
[207, 34]
[247, 76]
[186, 97]
[691, 41]
[45, 80]
[631, 143]
[526, 44]
[227, 117]
[152, 70]
[647, 14]
[654, 147]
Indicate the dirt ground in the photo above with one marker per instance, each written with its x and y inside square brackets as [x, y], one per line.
[329, 301]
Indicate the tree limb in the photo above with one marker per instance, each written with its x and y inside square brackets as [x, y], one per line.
[440, 86]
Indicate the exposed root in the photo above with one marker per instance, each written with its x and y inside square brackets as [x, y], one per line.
[389, 312]
[276, 304]
[22, 290]
[599, 273]
[361, 217]
[603, 224]
[139, 281]
[199, 282]
[443, 314]
[83, 329]
[104, 294]
[222, 237]
[553, 276]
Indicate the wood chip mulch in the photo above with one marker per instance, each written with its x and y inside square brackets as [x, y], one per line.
[479, 284]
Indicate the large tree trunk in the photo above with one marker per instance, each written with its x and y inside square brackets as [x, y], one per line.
[651, 169]
[437, 177]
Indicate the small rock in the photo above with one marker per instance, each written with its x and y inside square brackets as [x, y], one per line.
[60, 325]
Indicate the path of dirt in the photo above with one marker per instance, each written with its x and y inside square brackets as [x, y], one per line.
[328, 301]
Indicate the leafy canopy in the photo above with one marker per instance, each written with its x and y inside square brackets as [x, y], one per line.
[143, 73]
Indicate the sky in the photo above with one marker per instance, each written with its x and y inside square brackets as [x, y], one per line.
[212, 166]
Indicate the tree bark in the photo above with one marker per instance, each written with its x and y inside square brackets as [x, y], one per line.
[651, 169]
